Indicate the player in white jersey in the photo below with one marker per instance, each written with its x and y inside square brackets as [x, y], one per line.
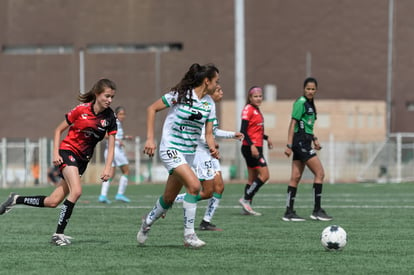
[208, 171]
[120, 160]
[191, 108]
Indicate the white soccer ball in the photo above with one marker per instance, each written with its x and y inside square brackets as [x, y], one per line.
[333, 238]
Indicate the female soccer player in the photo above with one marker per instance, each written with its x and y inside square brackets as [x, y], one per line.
[208, 171]
[191, 108]
[300, 138]
[120, 160]
[252, 126]
[88, 124]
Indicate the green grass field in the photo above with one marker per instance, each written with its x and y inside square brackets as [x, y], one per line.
[377, 217]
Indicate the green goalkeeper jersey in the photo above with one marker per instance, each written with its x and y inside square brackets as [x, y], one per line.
[304, 112]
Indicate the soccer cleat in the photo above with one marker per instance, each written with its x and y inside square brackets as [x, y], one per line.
[120, 197]
[191, 240]
[291, 216]
[320, 215]
[8, 204]
[207, 226]
[142, 234]
[104, 199]
[60, 239]
[247, 208]
[179, 198]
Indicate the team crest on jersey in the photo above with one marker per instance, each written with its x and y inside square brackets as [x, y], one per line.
[84, 116]
[104, 123]
[206, 106]
[72, 159]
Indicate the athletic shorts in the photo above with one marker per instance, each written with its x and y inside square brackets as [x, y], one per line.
[172, 159]
[120, 157]
[251, 161]
[302, 148]
[71, 159]
[205, 166]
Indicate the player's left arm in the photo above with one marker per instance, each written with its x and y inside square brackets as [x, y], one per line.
[269, 141]
[227, 134]
[316, 143]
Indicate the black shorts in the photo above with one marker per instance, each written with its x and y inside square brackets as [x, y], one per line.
[302, 148]
[251, 161]
[71, 159]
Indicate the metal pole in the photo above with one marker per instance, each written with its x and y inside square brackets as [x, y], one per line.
[137, 160]
[308, 64]
[389, 66]
[4, 162]
[240, 72]
[82, 71]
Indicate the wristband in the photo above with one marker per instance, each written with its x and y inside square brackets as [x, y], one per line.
[289, 146]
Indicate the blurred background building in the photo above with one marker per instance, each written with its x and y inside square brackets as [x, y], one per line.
[52, 49]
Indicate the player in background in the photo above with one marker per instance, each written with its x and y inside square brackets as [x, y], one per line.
[120, 160]
[252, 126]
[300, 138]
[208, 171]
[191, 108]
[88, 124]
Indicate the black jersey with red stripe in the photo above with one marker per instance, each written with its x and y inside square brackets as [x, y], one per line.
[87, 129]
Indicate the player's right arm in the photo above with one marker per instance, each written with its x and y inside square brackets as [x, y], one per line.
[155, 107]
[291, 132]
[57, 159]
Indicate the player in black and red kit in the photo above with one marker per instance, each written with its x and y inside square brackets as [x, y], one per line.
[88, 124]
[252, 126]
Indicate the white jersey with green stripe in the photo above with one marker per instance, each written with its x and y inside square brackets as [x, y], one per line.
[184, 124]
[218, 133]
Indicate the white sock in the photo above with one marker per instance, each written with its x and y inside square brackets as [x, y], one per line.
[155, 213]
[105, 187]
[123, 182]
[189, 217]
[212, 205]
[179, 198]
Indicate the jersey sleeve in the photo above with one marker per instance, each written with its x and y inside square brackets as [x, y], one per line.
[113, 127]
[298, 109]
[170, 98]
[246, 113]
[73, 114]
[223, 133]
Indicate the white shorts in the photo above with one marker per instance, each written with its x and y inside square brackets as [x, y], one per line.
[173, 158]
[205, 165]
[120, 157]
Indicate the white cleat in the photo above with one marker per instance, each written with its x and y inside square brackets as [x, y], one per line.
[247, 208]
[193, 241]
[60, 239]
[8, 204]
[142, 234]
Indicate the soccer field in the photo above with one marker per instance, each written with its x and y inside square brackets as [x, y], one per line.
[377, 217]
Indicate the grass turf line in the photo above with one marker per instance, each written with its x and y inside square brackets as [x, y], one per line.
[377, 217]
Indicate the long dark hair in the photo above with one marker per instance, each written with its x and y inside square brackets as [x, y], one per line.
[310, 80]
[193, 78]
[97, 88]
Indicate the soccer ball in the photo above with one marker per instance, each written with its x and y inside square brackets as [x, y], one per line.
[333, 238]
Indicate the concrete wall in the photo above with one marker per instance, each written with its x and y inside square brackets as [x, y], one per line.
[346, 40]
